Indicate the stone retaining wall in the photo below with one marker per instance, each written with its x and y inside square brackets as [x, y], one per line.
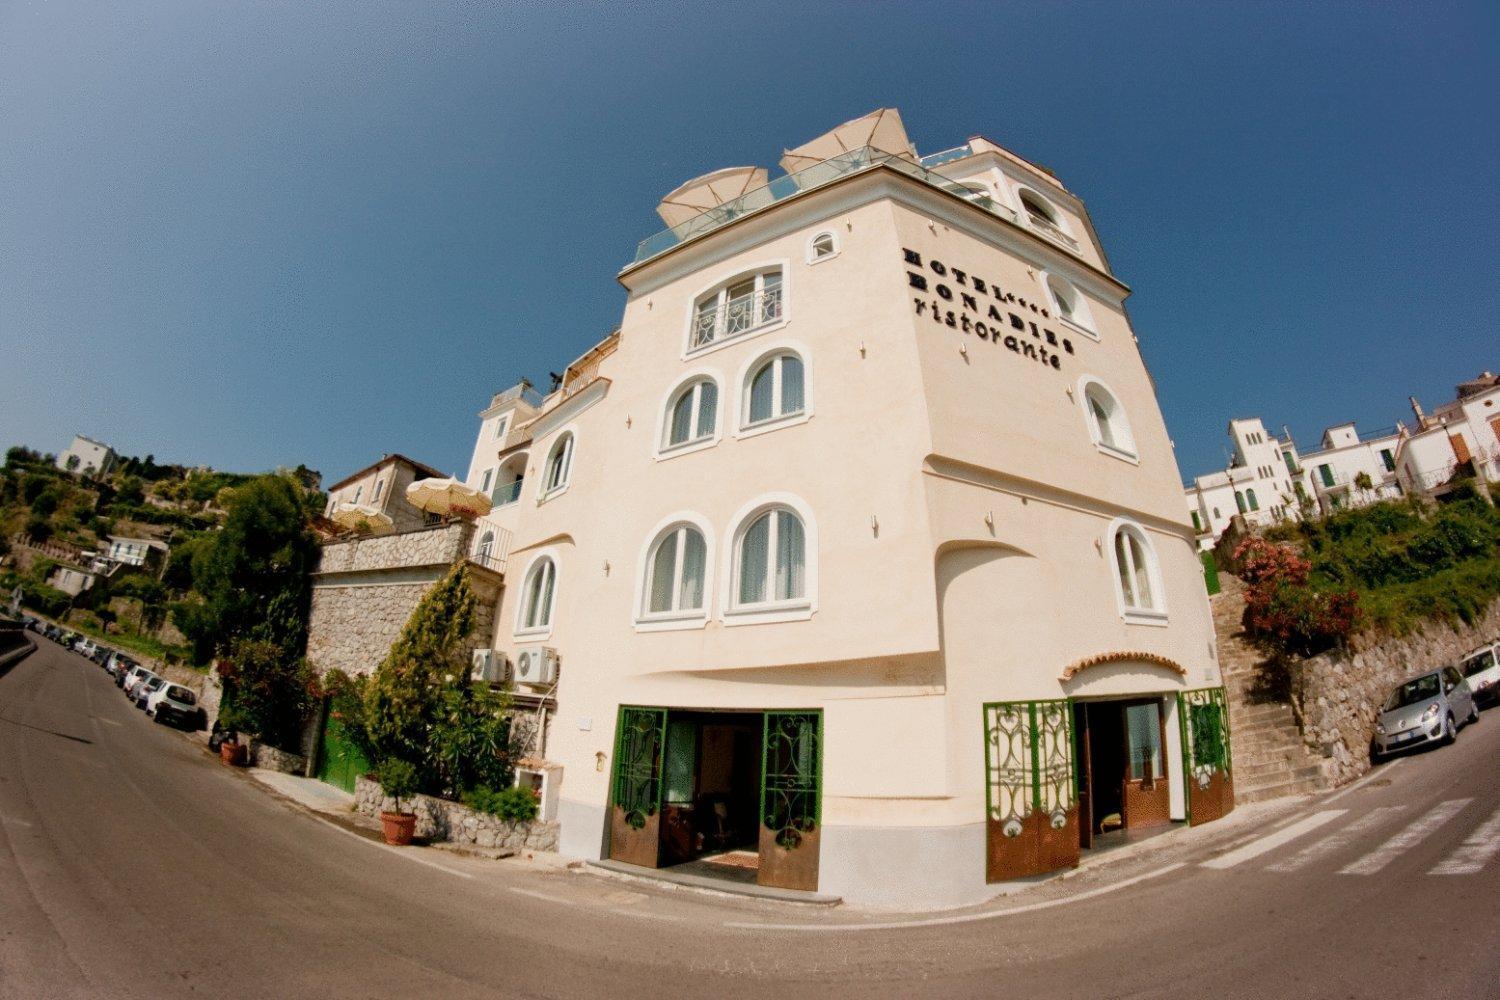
[267, 757]
[364, 590]
[429, 547]
[1339, 692]
[439, 819]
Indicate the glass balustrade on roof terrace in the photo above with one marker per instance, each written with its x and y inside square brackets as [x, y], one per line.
[852, 162]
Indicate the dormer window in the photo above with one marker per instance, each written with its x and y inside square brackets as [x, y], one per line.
[736, 308]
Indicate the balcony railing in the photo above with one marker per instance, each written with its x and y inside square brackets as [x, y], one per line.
[491, 549]
[946, 156]
[853, 162]
[1049, 229]
[738, 315]
[504, 495]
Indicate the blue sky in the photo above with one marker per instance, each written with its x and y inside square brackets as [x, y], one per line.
[259, 234]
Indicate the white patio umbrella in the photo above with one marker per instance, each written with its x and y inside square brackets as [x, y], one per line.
[703, 194]
[447, 497]
[358, 515]
[881, 129]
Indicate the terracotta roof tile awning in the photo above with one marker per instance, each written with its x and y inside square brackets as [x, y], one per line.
[1074, 669]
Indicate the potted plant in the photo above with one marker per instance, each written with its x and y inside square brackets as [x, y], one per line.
[398, 780]
[231, 751]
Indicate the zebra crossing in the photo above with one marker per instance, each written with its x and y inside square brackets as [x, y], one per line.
[1341, 834]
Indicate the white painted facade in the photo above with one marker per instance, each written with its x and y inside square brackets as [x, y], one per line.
[87, 457]
[135, 551]
[1347, 470]
[908, 460]
[1459, 437]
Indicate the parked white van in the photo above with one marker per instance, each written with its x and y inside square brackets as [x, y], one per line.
[1481, 669]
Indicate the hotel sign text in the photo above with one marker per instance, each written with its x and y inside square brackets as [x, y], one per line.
[984, 309]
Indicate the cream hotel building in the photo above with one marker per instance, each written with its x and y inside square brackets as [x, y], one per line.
[855, 560]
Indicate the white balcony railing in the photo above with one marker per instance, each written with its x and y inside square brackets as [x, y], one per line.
[737, 315]
[1049, 229]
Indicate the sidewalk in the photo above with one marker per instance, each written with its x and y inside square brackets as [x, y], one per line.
[319, 796]
[1115, 866]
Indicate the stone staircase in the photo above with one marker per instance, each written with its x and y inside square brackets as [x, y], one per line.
[1270, 759]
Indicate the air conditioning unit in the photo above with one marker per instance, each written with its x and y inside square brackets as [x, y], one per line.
[489, 666]
[536, 665]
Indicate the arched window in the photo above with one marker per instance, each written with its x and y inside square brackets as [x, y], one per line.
[747, 303]
[771, 560]
[1239, 501]
[1136, 573]
[693, 413]
[508, 480]
[1071, 305]
[775, 390]
[535, 614]
[676, 572]
[485, 547]
[559, 465]
[821, 247]
[1038, 210]
[1107, 422]
[1250, 499]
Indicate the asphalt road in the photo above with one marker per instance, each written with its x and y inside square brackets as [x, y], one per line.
[133, 865]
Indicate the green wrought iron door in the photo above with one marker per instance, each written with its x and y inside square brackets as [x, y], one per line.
[1203, 716]
[791, 801]
[339, 760]
[636, 786]
[1031, 800]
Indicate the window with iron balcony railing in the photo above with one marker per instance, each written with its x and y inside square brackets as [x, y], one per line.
[737, 308]
[506, 494]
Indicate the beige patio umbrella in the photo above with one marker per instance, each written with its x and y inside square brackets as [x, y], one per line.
[881, 129]
[447, 497]
[361, 517]
[702, 194]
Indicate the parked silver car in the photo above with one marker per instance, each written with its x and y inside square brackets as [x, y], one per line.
[1424, 709]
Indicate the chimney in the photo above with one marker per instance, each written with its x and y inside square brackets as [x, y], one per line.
[1416, 409]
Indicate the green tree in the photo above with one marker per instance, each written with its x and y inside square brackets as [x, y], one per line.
[418, 705]
[269, 692]
[130, 491]
[253, 575]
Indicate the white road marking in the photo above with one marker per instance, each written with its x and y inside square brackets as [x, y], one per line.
[1475, 852]
[1408, 838]
[402, 852]
[962, 918]
[623, 912]
[1335, 841]
[1270, 842]
[541, 895]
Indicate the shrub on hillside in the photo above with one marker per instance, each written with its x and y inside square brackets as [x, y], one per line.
[1284, 613]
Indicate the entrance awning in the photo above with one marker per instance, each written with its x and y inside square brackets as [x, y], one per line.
[1074, 669]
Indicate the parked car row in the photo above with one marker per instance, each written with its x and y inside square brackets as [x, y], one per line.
[1432, 706]
[162, 700]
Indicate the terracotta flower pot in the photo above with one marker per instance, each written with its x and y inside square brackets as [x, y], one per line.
[232, 754]
[398, 827]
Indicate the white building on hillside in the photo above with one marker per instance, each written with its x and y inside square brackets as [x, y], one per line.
[1347, 471]
[873, 456]
[1460, 438]
[1263, 481]
[87, 457]
[1457, 439]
